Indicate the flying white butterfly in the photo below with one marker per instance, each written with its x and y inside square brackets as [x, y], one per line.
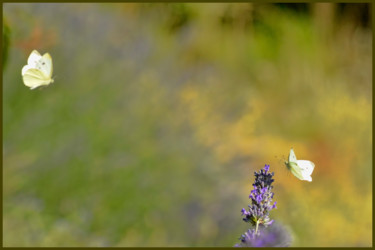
[302, 169]
[38, 71]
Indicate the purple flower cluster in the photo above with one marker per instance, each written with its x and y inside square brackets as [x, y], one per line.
[261, 199]
[266, 233]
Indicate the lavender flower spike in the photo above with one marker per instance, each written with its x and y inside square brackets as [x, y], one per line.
[261, 199]
[264, 234]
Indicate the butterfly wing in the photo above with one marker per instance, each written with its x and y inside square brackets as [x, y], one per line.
[34, 57]
[296, 171]
[292, 156]
[45, 64]
[34, 78]
[307, 167]
[26, 68]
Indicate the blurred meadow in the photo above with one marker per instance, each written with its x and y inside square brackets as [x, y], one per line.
[160, 114]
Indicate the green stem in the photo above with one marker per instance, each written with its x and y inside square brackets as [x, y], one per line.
[256, 229]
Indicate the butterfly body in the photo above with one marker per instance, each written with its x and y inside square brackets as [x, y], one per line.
[38, 71]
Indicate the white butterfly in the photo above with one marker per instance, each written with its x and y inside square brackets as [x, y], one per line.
[302, 169]
[38, 71]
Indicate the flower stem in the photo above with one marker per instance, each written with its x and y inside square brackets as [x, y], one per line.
[256, 229]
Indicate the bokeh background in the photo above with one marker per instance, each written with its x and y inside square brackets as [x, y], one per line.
[160, 114]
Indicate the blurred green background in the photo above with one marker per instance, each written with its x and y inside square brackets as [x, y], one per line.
[160, 114]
